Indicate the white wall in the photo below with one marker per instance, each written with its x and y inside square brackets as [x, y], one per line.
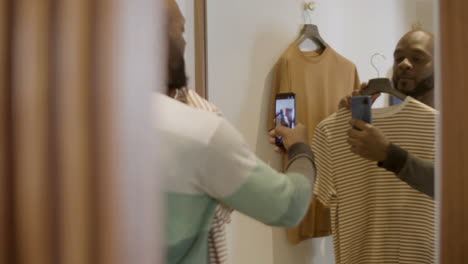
[245, 39]
[376, 26]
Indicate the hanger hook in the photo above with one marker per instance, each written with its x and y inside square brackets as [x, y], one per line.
[309, 7]
[417, 26]
[373, 63]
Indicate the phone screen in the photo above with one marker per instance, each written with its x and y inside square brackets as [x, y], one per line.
[285, 112]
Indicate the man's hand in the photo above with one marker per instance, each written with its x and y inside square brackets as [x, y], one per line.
[290, 136]
[345, 102]
[369, 143]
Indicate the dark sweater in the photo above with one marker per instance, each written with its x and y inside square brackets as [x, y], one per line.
[417, 172]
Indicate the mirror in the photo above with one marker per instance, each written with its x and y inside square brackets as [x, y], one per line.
[195, 36]
[246, 43]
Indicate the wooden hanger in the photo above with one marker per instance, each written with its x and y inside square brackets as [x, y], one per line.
[310, 31]
[381, 85]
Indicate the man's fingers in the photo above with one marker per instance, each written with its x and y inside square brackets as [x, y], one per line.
[343, 101]
[359, 124]
[272, 133]
[300, 126]
[374, 97]
[281, 130]
[353, 133]
[348, 103]
[354, 150]
[272, 140]
[278, 150]
[364, 85]
[353, 142]
[359, 91]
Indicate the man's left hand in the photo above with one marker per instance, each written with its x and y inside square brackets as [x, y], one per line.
[369, 143]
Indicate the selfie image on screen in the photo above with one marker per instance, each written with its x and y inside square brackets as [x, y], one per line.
[285, 114]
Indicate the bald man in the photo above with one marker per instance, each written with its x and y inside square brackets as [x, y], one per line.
[206, 161]
[413, 68]
[413, 75]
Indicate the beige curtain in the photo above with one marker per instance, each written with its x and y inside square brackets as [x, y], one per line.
[61, 188]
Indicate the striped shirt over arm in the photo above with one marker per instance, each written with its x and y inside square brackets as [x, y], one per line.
[376, 217]
[204, 161]
[250, 186]
[217, 243]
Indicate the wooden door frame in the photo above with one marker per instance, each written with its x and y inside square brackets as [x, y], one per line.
[454, 123]
[200, 48]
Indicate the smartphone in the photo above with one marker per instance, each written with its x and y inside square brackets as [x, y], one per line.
[285, 112]
[361, 108]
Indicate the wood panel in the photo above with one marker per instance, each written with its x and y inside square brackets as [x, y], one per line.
[200, 48]
[454, 120]
[6, 214]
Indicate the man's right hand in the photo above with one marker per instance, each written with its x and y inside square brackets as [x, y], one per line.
[290, 136]
[345, 102]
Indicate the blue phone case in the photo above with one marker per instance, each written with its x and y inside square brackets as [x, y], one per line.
[361, 108]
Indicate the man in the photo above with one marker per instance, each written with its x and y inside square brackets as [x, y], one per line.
[413, 74]
[217, 244]
[206, 161]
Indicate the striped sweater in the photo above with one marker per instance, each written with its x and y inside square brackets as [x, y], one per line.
[217, 242]
[376, 217]
[205, 161]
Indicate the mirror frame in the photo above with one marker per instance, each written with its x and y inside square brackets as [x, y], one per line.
[200, 48]
[453, 187]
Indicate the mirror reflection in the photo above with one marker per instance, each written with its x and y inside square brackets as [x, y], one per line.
[327, 132]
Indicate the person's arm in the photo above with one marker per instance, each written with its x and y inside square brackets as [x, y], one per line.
[301, 160]
[417, 172]
[232, 174]
[370, 143]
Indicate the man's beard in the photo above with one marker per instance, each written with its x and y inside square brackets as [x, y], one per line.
[421, 89]
[177, 77]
